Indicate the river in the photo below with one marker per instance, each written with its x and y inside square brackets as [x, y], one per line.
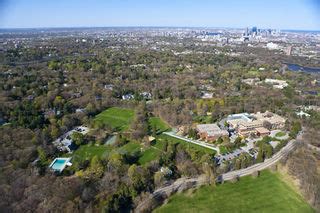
[296, 67]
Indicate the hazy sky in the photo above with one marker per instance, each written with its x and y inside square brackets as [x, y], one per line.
[280, 14]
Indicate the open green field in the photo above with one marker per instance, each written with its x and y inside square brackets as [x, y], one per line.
[86, 152]
[267, 193]
[130, 147]
[117, 118]
[159, 124]
[149, 155]
[223, 149]
[187, 145]
[120, 119]
[253, 73]
[280, 134]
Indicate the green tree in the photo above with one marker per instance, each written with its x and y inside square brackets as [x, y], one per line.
[139, 126]
[219, 140]
[120, 201]
[77, 138]
[268, 150]
[154, 130]
[159, 178]
[237, 164]
[94, 171]
[116, 160]
[260, 157]
[209, 171]
[237, 142]
[42, 156]
[192, 133]
[54, 131]
[54, 65]
[296, 127]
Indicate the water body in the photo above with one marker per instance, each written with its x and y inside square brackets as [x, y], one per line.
[297, 67]
[111, 140]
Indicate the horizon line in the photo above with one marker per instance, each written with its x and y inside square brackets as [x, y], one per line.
[155, 26]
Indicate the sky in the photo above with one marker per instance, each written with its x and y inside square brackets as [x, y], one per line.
[275, 14]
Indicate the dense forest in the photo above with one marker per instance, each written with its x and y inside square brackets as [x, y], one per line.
[43, 97]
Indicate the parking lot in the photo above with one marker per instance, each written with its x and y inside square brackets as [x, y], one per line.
[229, 156]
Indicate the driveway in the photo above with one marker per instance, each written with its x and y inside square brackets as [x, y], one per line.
[197, 142]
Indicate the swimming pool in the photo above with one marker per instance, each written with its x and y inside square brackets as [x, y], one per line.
[59, 164]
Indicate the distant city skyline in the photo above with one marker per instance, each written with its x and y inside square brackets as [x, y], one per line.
[285, 14]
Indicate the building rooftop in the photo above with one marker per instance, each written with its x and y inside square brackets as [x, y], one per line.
[269, 116]
[241, 116]
[262, 130]
[245, 121]
[211, 129]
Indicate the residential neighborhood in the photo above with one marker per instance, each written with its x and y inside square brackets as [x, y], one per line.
[143, 106]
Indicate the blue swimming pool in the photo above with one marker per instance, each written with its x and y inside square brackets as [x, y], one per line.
[59, 164]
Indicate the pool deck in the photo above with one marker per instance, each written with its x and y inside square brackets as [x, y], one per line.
[66, 163]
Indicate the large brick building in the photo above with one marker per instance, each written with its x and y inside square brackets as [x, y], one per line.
[258, 123]
[211, 132]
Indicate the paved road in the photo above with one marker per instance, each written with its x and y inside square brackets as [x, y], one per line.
[165, 192]
[178, 183]
[314, 147]
[168, 190]
[267, 163]
[261, 166]
[206, 145]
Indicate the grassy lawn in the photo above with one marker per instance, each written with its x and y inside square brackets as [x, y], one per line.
[118, 118]
[187, 145]
[148, 155]
[160, 125]
[253, 73]
[267, 193]
[130, 147]
[223, 150]
[280, 134]
[88, 151]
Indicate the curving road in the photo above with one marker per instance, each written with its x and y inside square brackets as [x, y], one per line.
[267, 163]
[261, 166]
[256, 167]
[166, 191]
[314, 147]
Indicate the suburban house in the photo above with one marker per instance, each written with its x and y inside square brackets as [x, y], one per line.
[277, 84]
[211, 132]
[146, 95]
[127, 97]
[207, 95]
[251, 81]
[64, 142]
[259, 123]
[108, 86]
[302, 114]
